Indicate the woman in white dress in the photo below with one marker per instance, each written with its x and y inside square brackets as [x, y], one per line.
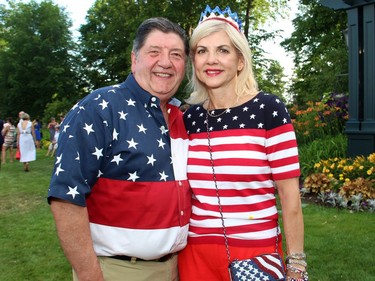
[26, 141]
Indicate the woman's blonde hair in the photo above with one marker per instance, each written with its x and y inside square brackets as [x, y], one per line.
[246, 83]
[25, 116]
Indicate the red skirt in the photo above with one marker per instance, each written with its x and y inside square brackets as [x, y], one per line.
[209, 262]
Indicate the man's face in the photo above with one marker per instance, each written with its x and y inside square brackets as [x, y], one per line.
[159, 66]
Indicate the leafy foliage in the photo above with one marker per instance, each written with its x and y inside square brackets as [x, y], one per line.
[320, 53]
[35, 60]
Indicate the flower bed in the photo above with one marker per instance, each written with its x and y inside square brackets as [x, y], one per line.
[347, 183]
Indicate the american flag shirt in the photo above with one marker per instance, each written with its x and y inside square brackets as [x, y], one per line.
[252, 145]
[118, 157]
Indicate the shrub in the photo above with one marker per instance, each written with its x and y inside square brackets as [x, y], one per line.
[317, 120]
[344, 182]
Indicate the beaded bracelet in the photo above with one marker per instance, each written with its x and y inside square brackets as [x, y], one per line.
[296, 256]
[303, 274]
[300, 262]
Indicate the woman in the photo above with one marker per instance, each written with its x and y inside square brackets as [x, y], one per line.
[26, 141]
[51, 128]
[242, 145]
[38, 132]
[9, 133]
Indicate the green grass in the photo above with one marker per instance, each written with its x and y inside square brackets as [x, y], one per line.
[339, 244]
[29, 246]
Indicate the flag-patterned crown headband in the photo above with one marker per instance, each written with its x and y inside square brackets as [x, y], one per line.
[218, 14]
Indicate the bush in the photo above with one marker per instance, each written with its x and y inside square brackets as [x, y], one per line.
[344, 182]
[317, 120]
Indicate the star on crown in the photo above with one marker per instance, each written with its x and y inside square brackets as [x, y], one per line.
[218, 14]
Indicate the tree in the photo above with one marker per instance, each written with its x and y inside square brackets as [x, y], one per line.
[320, 54]
[106, 38]
[36, 59]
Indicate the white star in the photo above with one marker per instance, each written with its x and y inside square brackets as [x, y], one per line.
[262, 106]
[99, 174]
[122, 115]
[245, 108]
[77, 158]
[219, 120]
[133, 176]
[104, 104]
[161, 143]
[278, 101]
[235, 118]
[58, 159]
[225, 127]
[58, 170]
[132, 143]
[285, 121]
[98, 153]
[163, 130]
[72, 191]
[98, 97]
[88, 128]
[130, 102]
[141, 129]
[117, 159]
[252, 116]
[256, 100]
[242, 125]
[151, 159]
[163, 176]
[193, 123]
[74, 106]
[65, 128]
[260, 125]
[275, 113]
[115, 134]
[112, 91]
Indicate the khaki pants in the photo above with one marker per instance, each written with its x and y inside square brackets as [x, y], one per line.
[119, 270]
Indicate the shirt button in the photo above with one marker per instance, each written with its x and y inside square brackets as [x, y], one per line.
[179, 183]
[182, 213]
[153, 99]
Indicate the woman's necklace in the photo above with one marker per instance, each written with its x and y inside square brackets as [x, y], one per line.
[211, 112]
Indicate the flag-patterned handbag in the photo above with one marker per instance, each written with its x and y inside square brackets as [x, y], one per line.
[267, 267]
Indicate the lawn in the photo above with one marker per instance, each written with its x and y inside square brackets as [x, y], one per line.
[340, 245]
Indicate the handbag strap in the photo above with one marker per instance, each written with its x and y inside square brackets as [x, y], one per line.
[218, 197]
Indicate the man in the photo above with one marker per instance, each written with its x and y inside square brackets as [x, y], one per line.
[119, 194]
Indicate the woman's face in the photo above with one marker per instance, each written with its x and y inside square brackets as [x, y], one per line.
[217, 62]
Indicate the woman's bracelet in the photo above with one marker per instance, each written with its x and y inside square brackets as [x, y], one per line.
[300, 262]
[296, 256]
[303, 273]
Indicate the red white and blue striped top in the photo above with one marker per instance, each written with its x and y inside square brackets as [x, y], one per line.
[253, 145]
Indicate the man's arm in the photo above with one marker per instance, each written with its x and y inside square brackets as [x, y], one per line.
[73, 229]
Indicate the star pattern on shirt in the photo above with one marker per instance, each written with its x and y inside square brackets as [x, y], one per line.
[263, 112]
[126, 136]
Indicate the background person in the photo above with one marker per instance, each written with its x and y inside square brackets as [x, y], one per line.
[38, 132]
[54, 144]
[9, 134]
[122, 210]
[51, 128]
[1, 136]
[26, 141]
[241, 144]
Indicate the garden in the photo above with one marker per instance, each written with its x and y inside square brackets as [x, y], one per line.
[328, 176]
[337, 192]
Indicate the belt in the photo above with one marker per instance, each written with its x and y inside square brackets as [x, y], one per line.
[134, 259]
